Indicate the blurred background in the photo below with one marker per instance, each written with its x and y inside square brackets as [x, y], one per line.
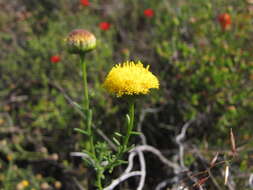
[201, 52]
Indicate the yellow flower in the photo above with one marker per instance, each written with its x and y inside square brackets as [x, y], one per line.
[80, 41]
[9, 157]
[25, 183]
[130, 78]
[22, 185]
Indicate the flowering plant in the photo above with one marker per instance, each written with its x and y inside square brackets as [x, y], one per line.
[124, 80]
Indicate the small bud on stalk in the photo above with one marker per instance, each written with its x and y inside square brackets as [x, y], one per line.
[80, 41]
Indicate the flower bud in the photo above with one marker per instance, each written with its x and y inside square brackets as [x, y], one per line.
[80, 41]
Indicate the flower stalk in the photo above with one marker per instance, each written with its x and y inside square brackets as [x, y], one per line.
[87, 111]
[80, 42]
[88, 123]
[130, 125]
[85, 85]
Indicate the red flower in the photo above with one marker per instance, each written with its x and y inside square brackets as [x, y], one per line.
[55, 59]
[104, 25]
[85, 2]
[225, 20]
[149, 13]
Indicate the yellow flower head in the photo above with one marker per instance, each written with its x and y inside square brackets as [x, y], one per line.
[130, 78]
[25, 183]
[22, 185]
[80, 41]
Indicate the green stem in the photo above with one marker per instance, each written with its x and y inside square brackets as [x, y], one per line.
[130, 125]
[88, 119]
[99, 180]
[88, 112]
[90, 132]
[85, 85]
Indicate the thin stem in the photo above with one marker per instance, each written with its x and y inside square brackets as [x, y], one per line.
[99, 180]
[129, 126]
[88, 112]
[90, 132]
[88, 120]
[85, 85]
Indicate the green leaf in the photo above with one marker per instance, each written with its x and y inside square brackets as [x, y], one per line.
[117, 163]
[81, 131]
[128, 119]
[130, 147]
[118, 134]
[135, 133]
[88, 162]
[116, 141]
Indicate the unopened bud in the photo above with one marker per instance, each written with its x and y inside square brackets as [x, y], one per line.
[80, 41]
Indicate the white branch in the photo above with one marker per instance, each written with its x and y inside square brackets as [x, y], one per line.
[122, 178]
[143, 170]
[156, 152]
[142, 173]
[251, 180]
[130, 162]
[164, 183]
[179, 139]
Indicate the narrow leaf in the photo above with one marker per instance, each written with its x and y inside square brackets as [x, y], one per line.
[81, 131]
[77, 105]
[116, 141]
[128, 119]
[130, 147]
[123, 162]
[118, 134]
[135, 133]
